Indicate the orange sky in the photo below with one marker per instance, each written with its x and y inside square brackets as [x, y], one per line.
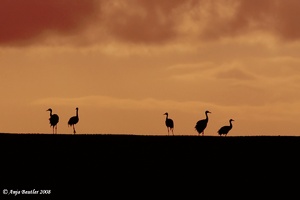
[126, 63]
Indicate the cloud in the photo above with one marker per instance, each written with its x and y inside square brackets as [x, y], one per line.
[145, 22]
[157, 22]
[286, 66]
[277, 17]
[235, 74]
[22, 22]
[123, 103]
[135, 21]
[191, 72]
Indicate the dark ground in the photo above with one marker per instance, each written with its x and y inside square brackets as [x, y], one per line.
[72, 165]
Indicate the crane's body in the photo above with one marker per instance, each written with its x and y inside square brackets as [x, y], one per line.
[53, 120]
[74, 120]
[169, 124]
[225, 129]
[202, 124]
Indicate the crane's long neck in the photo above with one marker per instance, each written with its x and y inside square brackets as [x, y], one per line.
[206, 116]
[230, 124]
[76, 112]
[166, 116]
[50, 113]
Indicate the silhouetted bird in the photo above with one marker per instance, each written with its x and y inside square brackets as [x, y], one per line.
[225, 129]
[169, 123]
[202, 124]
[74, 120]
[54, 119]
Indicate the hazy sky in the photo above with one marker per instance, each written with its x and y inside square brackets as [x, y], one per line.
[126, 63]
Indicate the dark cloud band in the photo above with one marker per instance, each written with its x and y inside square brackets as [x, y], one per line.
[144, 21]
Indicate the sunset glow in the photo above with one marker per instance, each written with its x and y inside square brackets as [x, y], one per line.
[125, 63]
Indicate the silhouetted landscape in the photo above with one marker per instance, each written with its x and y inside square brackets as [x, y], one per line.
[76, 163]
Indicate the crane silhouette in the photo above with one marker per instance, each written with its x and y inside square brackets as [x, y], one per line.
[53, 120]
[169, 123]
[225, 129]
[74, 120]
[202, 124]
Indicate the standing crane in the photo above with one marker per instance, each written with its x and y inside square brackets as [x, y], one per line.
[225, 129]
[202, 124]
[53, 120]
[169, 123]
[74, 120]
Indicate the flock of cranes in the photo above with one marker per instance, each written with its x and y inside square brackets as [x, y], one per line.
[200, 125]
[54, 119]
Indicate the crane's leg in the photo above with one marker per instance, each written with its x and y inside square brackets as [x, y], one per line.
[56, 129]
[74, 130]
